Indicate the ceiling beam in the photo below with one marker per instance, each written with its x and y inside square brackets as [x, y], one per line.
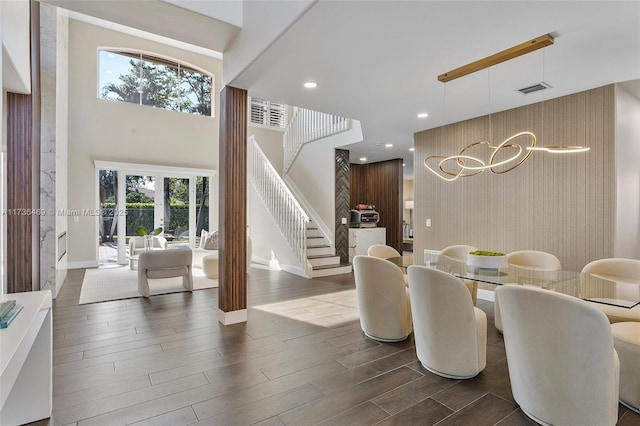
[505, 55]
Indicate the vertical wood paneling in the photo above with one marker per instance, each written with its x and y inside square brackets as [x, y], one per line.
[232, 290]
[563, 204]
[380, 184]
[23, 174]
[19, 195]
[342, 191]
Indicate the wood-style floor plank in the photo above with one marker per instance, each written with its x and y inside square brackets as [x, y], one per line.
[301, 358]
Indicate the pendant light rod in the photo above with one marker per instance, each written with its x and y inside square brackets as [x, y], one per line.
[505, 55]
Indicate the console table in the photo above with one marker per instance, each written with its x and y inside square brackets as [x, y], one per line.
[26, 360]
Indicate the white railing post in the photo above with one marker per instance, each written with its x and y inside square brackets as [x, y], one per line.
[281, 203]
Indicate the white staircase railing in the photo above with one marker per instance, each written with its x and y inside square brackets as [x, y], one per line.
[307, 126]
[283, 206]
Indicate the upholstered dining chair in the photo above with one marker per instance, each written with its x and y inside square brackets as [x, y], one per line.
[450, 333]
[459, 252]
[530, 259]
[382, 251]
[563, 367]
[383, 299]
[626, 274]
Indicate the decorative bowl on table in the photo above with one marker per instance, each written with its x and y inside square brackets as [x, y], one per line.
[487, 260]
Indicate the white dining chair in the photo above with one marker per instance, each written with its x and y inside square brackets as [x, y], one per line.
[562, 364]
[382, 251]
[530, 259]
[383, 299]
[459, 252]
[625, 276]
[450, 333]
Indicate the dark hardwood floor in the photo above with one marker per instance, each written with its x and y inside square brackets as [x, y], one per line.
[300, 359]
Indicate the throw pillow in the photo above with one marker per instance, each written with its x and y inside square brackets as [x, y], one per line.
[212, 241]
[204, 235]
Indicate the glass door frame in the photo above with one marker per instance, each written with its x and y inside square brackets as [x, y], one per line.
[159, 172]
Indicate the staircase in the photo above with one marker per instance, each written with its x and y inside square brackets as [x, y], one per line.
[321, 258]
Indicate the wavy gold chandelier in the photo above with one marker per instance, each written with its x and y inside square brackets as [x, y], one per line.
[463, 164]
[467, 165]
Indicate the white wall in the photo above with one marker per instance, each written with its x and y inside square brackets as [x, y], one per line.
[115, 131]
[262, 23]
[267, 242]
[225, 10]
[627, 241]
[16, 60]
[313, 176]
[270, 142]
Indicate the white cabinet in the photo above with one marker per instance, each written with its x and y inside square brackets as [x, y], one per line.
[26, 360]
[360, 239]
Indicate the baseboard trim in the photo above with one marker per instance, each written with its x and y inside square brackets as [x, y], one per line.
[294, 270]
[83, 264]
[232, 317]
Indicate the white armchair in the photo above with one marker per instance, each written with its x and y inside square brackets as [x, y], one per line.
[164, 264]
[563, 367]
[136, 244]
[450, 333]
[383, 299]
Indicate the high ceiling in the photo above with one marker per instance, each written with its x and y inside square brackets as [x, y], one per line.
[378, 61]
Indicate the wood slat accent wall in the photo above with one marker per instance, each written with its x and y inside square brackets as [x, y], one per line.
[19, 194]
[23, 175]
[560, 203]
[380, 184]
[232, 234]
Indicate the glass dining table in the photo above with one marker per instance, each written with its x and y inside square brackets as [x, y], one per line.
[594, 288]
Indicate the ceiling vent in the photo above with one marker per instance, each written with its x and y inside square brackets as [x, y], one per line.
[534, 88]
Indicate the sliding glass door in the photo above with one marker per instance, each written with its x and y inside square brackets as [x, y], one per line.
[175, 200]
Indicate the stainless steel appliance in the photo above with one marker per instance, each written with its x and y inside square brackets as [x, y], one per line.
[364, 217]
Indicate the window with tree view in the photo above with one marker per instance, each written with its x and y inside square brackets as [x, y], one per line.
[147, 80]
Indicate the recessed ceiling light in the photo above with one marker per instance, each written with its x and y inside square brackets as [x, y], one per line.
[310, 85]
[412, 149]
[423, 115]
[388, 145]
[363, 158]
[402, 164]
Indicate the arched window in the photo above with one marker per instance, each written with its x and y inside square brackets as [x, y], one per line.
[153, 81]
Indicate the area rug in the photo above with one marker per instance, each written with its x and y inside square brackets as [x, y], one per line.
[114, 283]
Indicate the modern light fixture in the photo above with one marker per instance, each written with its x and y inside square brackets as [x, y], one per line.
[388, 145]
[423, 115]
[560, 149]
[310, 84]
[450, 168]
[412, 149]
[505, 55]
[363, 158]
[554, 149]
